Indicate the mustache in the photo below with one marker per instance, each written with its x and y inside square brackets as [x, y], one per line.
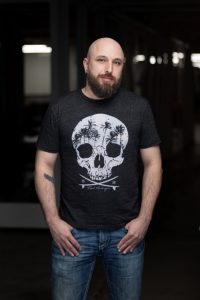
[107, 76]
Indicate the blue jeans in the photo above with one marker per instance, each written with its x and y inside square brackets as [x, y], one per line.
[71, 275]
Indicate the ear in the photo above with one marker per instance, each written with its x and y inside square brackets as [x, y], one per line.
[85, 64]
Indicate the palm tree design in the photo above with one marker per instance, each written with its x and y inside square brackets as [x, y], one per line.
[112, 137]
[84, 132]
[87, 132]
[76, 139]
[105, 126]
[119, 129]
[91, 124]
[92, 132]
[95, 135]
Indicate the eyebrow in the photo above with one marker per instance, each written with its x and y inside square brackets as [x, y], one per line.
[115, 59]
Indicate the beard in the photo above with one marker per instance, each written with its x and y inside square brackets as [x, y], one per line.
[104, 90]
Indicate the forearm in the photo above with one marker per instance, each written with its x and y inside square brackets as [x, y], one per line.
[45, 189]
[151, 185]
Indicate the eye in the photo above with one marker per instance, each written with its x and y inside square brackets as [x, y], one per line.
[101, 60]
[117, 62]
[113, 150]
[85, 150]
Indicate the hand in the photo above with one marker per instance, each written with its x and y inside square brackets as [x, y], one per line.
[61, 233]
[137, 229]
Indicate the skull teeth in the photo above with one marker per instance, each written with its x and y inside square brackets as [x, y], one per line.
[98, 177]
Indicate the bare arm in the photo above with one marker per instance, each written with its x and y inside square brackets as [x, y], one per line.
[45, 189]
[152, 178]
[44, 183]
[151, 185]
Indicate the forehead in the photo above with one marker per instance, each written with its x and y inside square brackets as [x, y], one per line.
[106, 48]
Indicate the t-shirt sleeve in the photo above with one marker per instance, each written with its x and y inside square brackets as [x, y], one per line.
[149, 136]
[48, 139]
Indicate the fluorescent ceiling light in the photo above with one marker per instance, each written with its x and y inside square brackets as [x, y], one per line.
[196, 65]
[152, 60]
[139, 57]
[159, 60]
[195, 59]
[179, 55]
[175, 60]
[36, 49]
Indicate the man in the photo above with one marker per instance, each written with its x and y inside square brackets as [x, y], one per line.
[99, 133]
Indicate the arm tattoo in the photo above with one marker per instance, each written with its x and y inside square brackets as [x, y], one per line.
[50, 178]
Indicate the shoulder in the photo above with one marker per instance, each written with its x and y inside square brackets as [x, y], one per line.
[65, 101]
[66, 98]
[133, 98]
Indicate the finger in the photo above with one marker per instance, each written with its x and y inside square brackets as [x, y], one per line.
[72, 245]
[61, 249]
[128, 249]
[71, 249]
[130, 241]
[74, 242]
[123, 241]
[125, 246]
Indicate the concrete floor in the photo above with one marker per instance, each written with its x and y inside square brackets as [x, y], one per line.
[172, 257]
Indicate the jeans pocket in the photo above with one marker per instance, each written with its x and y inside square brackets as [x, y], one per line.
[125, 229]
[139, 248]
[74, 231]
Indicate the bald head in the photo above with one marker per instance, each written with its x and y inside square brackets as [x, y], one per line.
[103, 67]
[105, 45]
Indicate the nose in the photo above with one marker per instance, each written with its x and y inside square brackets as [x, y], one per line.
[109, 67]
[99, 161]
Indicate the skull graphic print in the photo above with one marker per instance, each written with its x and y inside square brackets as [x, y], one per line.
[99, 141]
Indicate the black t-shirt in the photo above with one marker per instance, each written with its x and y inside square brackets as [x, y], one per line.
[98, 142]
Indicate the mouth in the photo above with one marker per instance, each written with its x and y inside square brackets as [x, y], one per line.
[107, 78]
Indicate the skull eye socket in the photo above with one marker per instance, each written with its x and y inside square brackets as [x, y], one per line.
[113, 150]
[85, 150]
